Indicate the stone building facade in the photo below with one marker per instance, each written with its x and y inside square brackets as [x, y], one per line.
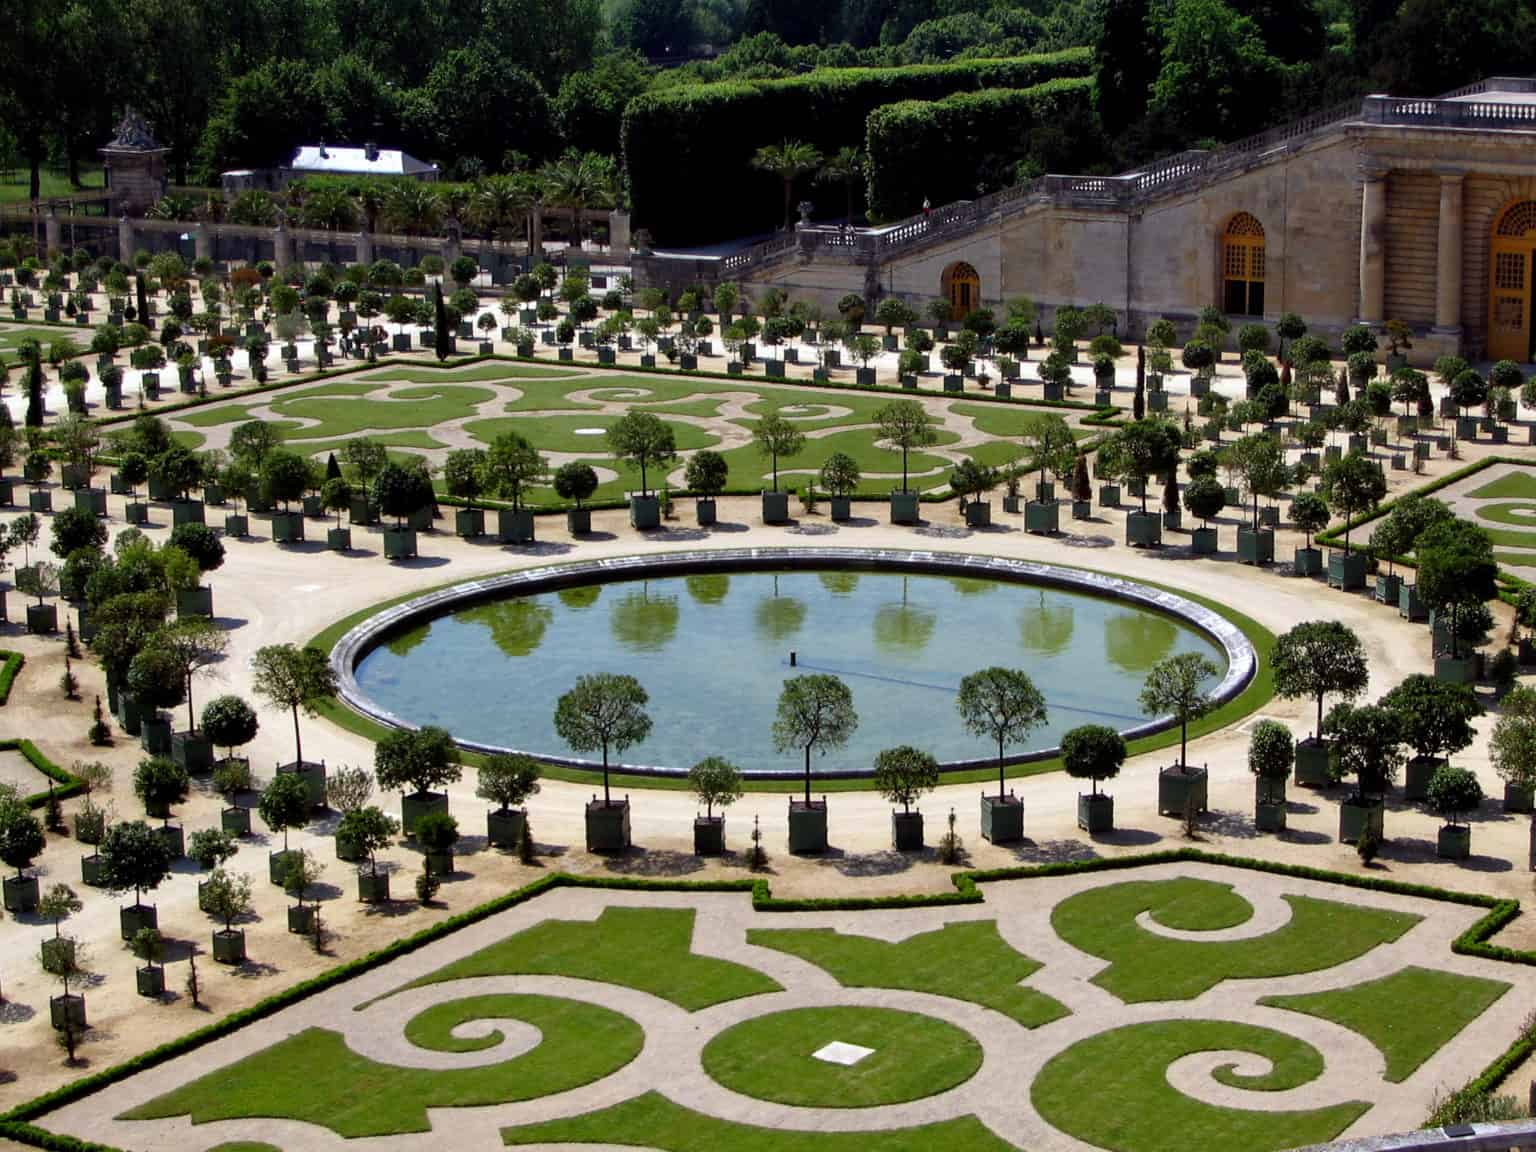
[1420, 210]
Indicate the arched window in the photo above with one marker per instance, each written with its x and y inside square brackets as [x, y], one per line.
[1242, 266]
[1510, 276]
[961, 286]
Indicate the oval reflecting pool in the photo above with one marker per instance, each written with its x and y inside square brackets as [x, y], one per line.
[713, 650]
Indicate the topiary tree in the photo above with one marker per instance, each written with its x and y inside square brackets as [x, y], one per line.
[227, 897]
[1092, 752]
[1454, 792]
[336, 496]
[814, 711]
[436, 833]
[284, 804]
[294, 678]
[776, 437]
[423, 760]
[512, 465]
[1003, 705]
[604, 711]
[1512, 747]
[1176, 686]
[133, 857]
[1316, 659]
[210, 847]
[369, 830]
[400, 491]
[1353, 484]
[705, 474]
[464, 474]
[160, 783]
[229, 722]
[906, 424]
[1309, 513]
[1368, 742]
[21, 833]
[1147, 448]
[1457, 573]
[201, 543]
[575, 481]
[1271, 751]
[840, 475]
[508, 780]
[1204, 497]
[642, 439]
[903, 774]
[714, 780]
[1435, 716]
[191, 645]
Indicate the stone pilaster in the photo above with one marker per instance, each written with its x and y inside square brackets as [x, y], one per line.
[53, 231]
[1448, 254]
[1373, 242]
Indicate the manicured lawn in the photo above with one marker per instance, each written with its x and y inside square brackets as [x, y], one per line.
[12, 338]
[1112, 1090]
[1408, 1015]
[653, 1121]
[499, 370]
[1004, 420]
[881, 466]
[420, 407]
[1505, 514]
[770, 1057]
[995, 453]
[404, 438]
[315, 1077]
[1510, 486]
[245, 1146]
[649, 949]
[559, 433]
[193, 440]
[966, 961]
[1146, 966]
[17, 184]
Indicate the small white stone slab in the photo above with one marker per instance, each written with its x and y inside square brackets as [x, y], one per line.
[590, 431]
[839, 1053]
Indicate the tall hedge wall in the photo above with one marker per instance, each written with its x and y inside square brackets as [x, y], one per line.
[688, 150]
[944, 149]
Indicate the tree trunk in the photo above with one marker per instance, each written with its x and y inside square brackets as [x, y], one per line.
[298, 747]
[607, 802]
[1000, 792]
[807, 775]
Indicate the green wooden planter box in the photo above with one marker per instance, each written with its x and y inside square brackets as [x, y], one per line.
[607, 827]
[67, 1011]
[515, 526]
[313, 776]
[362, 511]
[313, 506]
[1307, 561]
[1454, 842]
[415, 805]
[1346, 570]
[1416, 777]
[904, 507]
[92, 500]
[20, 894]
[287, 527]
[132, 917]
[1176, 787]
[196, 601]
[578, 521]
[1095, 813]
[235, 821]
[1456, 669]
[155, 735]
[505, 829]
[840, 509]
[644, 512]
[91, 869]
[1255, 547]
[40, 500]
[1312, 760]
[399, 543]
[373, 887]
[807, 826]
[237, 525]
[213, 494]
[907, 831]
[301, 919]
[704, 513]
[129, 714]
[229, 946]
[150, 982]
[187, 512]
[338, 539]
[1109, 495]
[1409, 606]
[1388, 588]
[193, 751]
[1519, 799]
[978, 514]
[1002, 819]
[1042, 518]
[1143, 529]
[469, 523]
[775, 507]
[42, 619]
[136, 512]
[1173, 521]
[709, 836]
[1082, 509]
[440, 863]
[1354, 818]
[420, 520]
[1269, 817]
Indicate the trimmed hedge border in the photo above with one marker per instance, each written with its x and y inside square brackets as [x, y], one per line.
[73, 785]
[10, 666]
[16, 1124]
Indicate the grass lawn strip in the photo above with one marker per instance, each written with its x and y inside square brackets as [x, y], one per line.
[559, 433]
[314, 1077]
[648, 949]
[881, 466]
[487, 373]
[1008, 423]
[245, 1146]
[772, 1057]
[1112, 1090]
[653, 1121]
[965, 961]
[1145, 966]
[1443, 1003]
[1510, 486]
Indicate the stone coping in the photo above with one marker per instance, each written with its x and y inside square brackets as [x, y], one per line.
[1242, 660]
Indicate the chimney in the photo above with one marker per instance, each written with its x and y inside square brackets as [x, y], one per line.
[324, 155]
[371, 151]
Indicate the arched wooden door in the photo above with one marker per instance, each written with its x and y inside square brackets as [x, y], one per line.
[1242, 266]
[962, 288]
[1509, 287]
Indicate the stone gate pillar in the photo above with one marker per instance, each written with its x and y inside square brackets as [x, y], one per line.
[53, 231]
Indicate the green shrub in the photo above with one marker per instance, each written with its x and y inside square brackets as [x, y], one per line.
[704, 135]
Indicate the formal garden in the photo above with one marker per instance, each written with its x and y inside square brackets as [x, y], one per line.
[1176, 1005]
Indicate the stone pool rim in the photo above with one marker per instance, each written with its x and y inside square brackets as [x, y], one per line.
[379, 627]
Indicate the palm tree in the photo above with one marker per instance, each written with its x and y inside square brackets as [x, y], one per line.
[578, 181]
[498, 205]
[370, 198]
[413, 207]
[788, 161]
[328, 207]
[845, 167]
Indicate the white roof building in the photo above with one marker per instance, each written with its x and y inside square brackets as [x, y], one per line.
[369, 160]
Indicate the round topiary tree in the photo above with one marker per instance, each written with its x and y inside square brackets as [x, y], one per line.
[229, 722]
[201, 543]
[1317, 659]
[21, 833]
[369, 830]
[603, 711]
[1454, 792]
[134, 857]
[1092, 752]
[160, 783]
[423, 760]
[1002, 705]
[1271, 751]
[903, 774]
[715, 780]
[705, 474]
[1175, 687]
[284, 804]
[814, 711]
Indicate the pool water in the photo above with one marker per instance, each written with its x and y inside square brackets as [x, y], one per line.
[713, 651]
